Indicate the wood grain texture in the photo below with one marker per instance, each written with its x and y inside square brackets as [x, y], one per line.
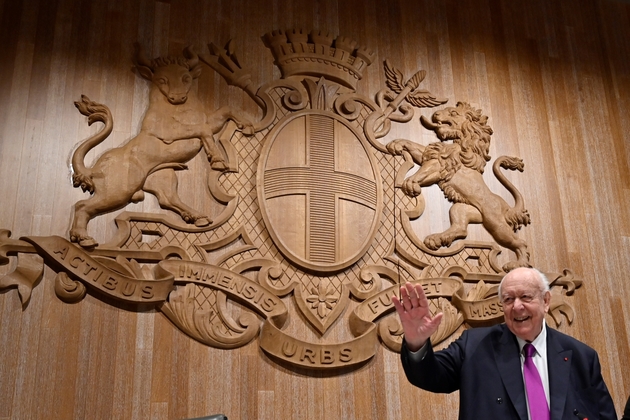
[552, 75]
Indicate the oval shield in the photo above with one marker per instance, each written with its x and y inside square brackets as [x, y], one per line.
[319, 190]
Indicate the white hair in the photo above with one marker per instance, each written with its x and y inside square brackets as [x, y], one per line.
[544, 281]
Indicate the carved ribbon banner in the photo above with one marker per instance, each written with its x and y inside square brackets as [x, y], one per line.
[449, 288]
[27, 273]
[82, 266]
[380, 304]
[479, 313]
[318, 356]
[236, 286]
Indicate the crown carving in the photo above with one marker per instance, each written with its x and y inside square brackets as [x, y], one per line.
[318, 54]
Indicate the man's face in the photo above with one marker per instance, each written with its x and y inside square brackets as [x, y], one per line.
[524, 305]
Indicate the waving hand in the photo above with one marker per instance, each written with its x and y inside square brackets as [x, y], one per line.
[415, 315]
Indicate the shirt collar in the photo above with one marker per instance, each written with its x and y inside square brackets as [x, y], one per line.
[539, 343]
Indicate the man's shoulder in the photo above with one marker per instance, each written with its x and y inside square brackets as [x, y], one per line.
[483, 331]
[502, 334]
[568, 342]
[477, 334]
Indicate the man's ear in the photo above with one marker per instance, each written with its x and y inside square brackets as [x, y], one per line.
[547, 300]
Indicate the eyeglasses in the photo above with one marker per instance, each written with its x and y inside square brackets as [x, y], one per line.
[508, 300]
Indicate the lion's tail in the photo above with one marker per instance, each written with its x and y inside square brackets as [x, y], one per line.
[518, 216]
[81, 176]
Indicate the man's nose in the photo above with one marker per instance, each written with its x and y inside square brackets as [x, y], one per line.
[518, 303]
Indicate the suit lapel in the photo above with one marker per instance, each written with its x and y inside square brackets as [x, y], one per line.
[559, 366]
[507, 358]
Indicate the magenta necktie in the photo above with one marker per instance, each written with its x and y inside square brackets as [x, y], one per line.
[538, 408]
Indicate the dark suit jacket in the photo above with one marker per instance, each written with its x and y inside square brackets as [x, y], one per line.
[484, 365]
[626, 411]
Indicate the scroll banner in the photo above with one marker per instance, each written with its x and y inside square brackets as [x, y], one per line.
[77, 262]
[482, 312]
[380, 304]
[238, 287]
[318, 356]
[28, 271]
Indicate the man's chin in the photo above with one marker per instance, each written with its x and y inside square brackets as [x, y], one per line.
[522, 330]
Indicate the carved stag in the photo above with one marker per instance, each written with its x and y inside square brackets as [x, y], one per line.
[174, 130]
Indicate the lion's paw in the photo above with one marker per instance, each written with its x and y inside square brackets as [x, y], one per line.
[394, 148]
[433, 242]
[83, 181]
[411, 187]
[397, 147]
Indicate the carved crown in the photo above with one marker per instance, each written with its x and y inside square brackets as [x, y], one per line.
[317, 54]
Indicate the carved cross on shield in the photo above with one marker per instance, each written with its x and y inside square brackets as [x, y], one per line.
[333, 188]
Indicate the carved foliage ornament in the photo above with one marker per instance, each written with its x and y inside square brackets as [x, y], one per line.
[312, 212]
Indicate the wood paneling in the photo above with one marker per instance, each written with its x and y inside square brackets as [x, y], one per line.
[552, 75]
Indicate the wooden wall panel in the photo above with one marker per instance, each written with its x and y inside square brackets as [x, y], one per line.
[552, 75]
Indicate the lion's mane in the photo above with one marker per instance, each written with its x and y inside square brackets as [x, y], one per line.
[470, 147]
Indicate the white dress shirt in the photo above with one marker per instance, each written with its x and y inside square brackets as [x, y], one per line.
[539, 359]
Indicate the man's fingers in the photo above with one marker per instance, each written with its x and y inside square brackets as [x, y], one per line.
[413, 294]
[423, 302]
[397, 304]
[436, 321]
[405, 297]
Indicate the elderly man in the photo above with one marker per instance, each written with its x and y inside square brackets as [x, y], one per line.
[518, 370]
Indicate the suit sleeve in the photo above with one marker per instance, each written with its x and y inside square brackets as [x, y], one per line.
[588, 392]
[437, 371]
[605, 405]
[626, 411]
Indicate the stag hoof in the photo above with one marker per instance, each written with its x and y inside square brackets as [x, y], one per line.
[84, 241]
[218, 165]
[248, 130]
[203, 221]
[88, 242]
[197, 220]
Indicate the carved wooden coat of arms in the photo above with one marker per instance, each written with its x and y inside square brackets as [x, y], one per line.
[316, 208]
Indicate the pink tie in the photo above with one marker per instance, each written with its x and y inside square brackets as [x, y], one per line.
[538, 408]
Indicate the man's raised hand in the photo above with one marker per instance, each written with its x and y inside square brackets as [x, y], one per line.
[415, 315]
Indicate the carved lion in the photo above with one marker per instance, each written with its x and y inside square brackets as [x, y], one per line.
[457, 169]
